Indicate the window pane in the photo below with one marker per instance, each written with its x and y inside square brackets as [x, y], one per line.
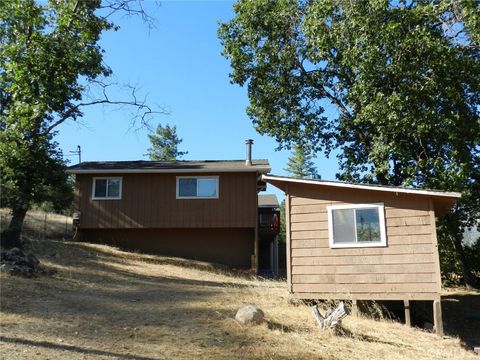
[368, 225]
[113, 189]
[343, 226]
[100, 188]
[207, 187]
[187, 187]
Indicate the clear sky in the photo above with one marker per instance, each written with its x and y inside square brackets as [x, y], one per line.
[178, 65]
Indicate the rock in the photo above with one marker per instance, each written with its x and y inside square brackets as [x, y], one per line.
[32, 261]
[14, 252]
[249, 315]
[24, 271]
[14, 262]
[6, 267]
[45, 271]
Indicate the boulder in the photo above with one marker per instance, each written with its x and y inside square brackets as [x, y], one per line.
[14, 252]
[15, 262]
[249, 315]
[32, 261]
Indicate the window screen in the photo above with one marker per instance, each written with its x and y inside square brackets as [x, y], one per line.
[343, 226]
[207, 187]
[201, 187]
[113, 188]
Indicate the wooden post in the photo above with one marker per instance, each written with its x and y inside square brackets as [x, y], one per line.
[275, 255]
[437, 304]
[288, 239]
[255, 244]
[44, 227]
[354, 308]
[66, 227]
[436, 256]
[406, 304]
[437, 317]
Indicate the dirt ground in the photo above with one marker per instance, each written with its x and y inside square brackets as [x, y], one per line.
[107, 304]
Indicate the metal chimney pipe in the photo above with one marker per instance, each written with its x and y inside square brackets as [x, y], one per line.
[249, 143]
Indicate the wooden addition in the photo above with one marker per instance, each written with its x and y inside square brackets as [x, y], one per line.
[406, 269]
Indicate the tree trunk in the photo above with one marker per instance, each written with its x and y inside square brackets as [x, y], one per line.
[455, 234]
[468, 278]
[11, 236]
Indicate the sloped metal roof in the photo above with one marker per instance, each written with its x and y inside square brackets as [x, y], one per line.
[144, 166]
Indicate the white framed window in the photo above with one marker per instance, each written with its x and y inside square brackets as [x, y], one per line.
[360, 225]
[197, 187]
[107, 188]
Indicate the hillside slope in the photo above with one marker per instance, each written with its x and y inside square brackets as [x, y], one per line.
[107, 304]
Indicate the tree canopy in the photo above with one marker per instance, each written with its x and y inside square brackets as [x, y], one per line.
[393, 86]
[164, 144]
[51, 67]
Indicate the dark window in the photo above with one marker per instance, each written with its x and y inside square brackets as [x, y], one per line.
[107, 188]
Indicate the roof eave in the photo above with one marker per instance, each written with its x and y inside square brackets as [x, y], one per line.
[260, 169]
[273, 178]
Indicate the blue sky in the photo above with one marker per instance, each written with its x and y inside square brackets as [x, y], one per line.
[178, 65]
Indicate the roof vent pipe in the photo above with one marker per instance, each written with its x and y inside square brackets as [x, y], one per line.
[248, 161]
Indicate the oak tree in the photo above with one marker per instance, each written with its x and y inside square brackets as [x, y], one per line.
[392, 86]
[51, 67]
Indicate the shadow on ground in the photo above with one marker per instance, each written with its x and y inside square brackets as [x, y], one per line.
[71, 348]
[95, 302]
[461, 317]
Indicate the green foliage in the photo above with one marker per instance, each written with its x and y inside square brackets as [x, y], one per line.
[165, 144]
[49, 58]
[300, 164]
[394, 86]
[451, 267]
[473, 255]
[32, 174]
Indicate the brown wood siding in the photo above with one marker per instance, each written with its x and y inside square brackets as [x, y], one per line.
[231, 247]
[149, 201]
[407, 268]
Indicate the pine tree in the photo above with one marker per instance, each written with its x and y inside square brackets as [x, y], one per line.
[300, 164]
[165, 144]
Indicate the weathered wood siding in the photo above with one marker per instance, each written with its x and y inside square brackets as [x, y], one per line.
[149, 201]
[232, 246]
[407, 268]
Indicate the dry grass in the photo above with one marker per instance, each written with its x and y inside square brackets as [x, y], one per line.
[39, 224]
[109, 304]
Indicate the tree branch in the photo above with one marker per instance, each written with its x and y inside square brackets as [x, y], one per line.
[142, 113]
[130, 7]
[325, 93]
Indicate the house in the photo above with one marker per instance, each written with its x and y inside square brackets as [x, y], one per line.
[268, 232]
[204, 210]
[362, 242]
